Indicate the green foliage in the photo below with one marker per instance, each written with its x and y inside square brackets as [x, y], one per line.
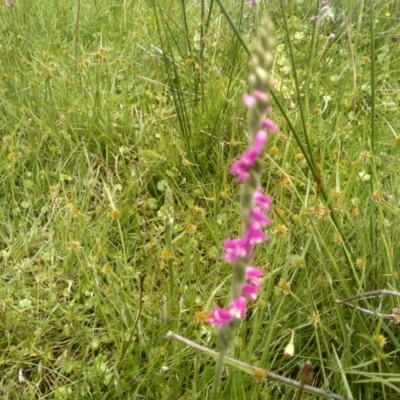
[99, 117]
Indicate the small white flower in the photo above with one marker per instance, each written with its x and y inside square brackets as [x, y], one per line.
[25, 303]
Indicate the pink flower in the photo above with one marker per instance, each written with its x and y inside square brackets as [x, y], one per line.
[235, 249]
[252, 3]
[249, 101]
[254, 274]
[269, 125]
[258, 96]
[250, 291]
[269, 110]
[242, 166]
[259, 219]
[314, 17]
[262, 201]
[220, 317]
[8, 3]
[254, 236]
[238, 308]
[244, 247]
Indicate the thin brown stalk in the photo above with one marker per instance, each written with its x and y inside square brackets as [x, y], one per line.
[372, 293]
[394, 317]
[251, 368]
[365, 311]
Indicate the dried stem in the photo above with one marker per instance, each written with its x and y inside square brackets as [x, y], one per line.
[372, 293]
[250, 369]
[394, 317]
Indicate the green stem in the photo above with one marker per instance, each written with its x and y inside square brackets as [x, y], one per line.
[372, 78]
[233, 26]
[218, 374]
[168, 248]
[301, 109]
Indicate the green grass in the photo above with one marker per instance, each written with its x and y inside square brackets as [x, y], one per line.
[99, 117]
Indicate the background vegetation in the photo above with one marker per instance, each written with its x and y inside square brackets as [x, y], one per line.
[104, 104]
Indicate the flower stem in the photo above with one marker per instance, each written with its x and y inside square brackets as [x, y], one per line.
[169, 227]
[218, 374]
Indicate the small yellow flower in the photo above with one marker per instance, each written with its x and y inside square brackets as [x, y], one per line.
[201, 316]
[232, 142]
[286, 181]
[301, 158]
[199, 210]
[380, 340]
[315, 319]
[365, 155]
[75, 212]
[190, 228]
[166, 254]
[106, 269]
[366, 60]
[6, 138]
[337, 193]
[317, 111]
[318, 210]
[114, 214]
[8, 301]
[282, 136]
[280, 212]
[282, 230]
[298, 261]
[336, 238]
[185, 162]
[259, 375]
[273, 151]
[355, 212]
[327, 213]
[387, 14]
[224, 194]
[297, 218]
[260, 303]
[75, 245]
[361, 263]
[284, 287]
[377, 196]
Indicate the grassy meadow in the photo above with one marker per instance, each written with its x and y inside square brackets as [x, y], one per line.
[105, 105]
